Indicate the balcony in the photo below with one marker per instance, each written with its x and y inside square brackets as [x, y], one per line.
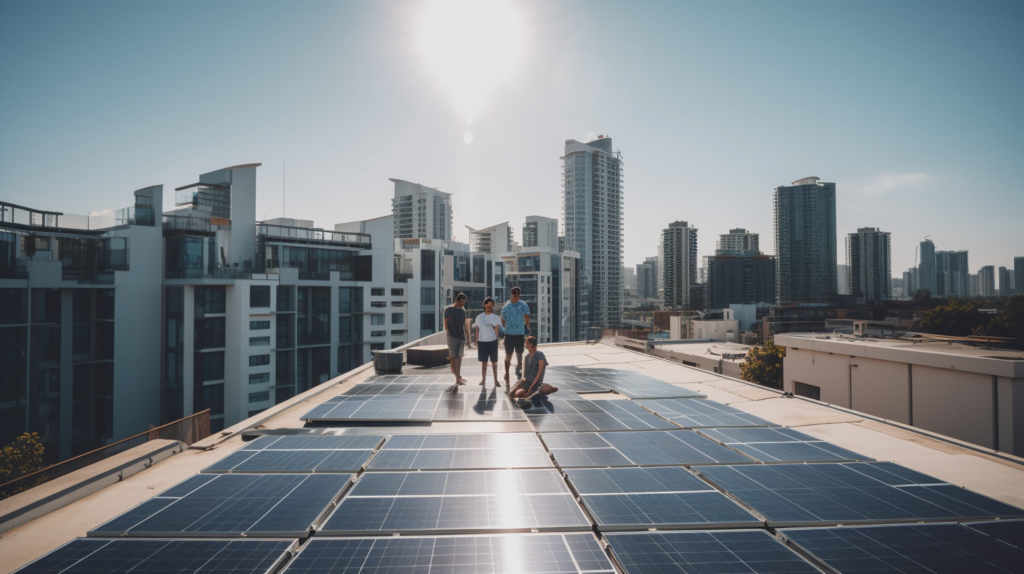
[307, 236]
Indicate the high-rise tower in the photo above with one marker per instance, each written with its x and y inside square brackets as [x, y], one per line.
[805, 241]
[870, 264]
[680, 271]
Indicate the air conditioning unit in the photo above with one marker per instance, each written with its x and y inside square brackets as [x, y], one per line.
[388, 362]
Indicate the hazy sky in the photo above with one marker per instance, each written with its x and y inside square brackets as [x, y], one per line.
[914, 109]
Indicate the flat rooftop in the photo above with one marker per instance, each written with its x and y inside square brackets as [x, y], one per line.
[593, 444]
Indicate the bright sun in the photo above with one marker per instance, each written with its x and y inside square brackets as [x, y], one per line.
[469, 46]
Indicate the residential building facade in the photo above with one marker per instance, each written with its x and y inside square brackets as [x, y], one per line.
[987, 281]
[805, 241]
[926, 267]
[952, 274]
[679, 241]
[869, 260]
[540, 231]
[421, 212]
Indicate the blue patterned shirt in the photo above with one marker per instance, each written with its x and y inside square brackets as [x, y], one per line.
[513, 314]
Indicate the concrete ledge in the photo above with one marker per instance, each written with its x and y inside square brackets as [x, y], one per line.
[45, 498]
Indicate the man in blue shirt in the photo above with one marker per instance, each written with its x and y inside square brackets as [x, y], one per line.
[515, 317]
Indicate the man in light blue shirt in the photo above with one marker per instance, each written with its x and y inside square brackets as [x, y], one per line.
[515, 317]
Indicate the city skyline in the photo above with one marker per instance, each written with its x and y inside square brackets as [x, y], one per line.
[921, 118]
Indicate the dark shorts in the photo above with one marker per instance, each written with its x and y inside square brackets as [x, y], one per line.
[514, 343]
[487, 351]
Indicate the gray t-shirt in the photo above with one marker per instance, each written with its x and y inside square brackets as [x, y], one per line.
[457, 327]
[533, 365]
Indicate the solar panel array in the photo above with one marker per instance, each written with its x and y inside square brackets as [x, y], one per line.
[663, 498]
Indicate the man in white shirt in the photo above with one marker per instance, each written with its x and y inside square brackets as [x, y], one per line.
[487, 324]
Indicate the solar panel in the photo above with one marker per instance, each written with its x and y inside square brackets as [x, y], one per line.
[456, 502]
[735, 551]
[504, 553]
[315, 442]
[463, 452]
[919, 548]
[408, 408]
[850, 493]
[1008, 531]
[667, 497]
[771, 445]
[419, 379]
[666, 448]
[232, 505]
[470, 404]
[92, 555]
[629, 383]
[395, 388]
[584, 415]
[700, 414]
[299, 454]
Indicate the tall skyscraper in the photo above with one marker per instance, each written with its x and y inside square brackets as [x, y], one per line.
[1018, 272]
[843, 274]
[951, 274]
[910, 282]
[987, 280]
[738, 240]
[592, 221]
[680, 271]
[540, 232]
[1004, 282]
[421, 212]
[805, 241]
[926, 268]
[628, 277]
[867, 255]
[647, 279]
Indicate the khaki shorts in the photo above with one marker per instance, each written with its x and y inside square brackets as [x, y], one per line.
[456, 347]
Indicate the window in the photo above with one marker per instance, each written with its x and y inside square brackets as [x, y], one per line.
[256, 412]
[397, 318]
[209, 300]
[259, 360]
[210, 366]
[259, 397]
[427, 265]
[350, 300]
[376, 291]
[378, 304]
[428, 322]
[284, 299]
[376, 346]
[398, 303]
[809, 391]
[398, 332]
[396, 344]
[378, 333]
[259, 295]
[428, 296]
[259, 378]
[376, 319]
[259, 325]
[397, 292]
[209, 333]
[259, 341]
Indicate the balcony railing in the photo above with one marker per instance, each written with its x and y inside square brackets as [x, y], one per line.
[187, 223]
[287, 234]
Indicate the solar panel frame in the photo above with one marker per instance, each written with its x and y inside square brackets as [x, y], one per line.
[506, 553]
[1007, 531]
[232, 505]
[739, 551]
[910, 548]
[702, 414]
[163, 556]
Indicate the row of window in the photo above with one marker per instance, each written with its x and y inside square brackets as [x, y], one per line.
[379, 292]
[396, 319]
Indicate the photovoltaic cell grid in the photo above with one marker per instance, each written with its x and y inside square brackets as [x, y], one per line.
[456, 502]
[299, 454]
[851, 493]
[500, 554]
[267, 505]
[91, 555]
[736, 551]
[462, 452]
[476, 403]
[771, 445]
[396, 388]
[583, 415]
[407, 408]
[629, 383]
[656, 448]
[1009, 531]
[667, 497]
[704, 413]
[410, 379]
[919, 548]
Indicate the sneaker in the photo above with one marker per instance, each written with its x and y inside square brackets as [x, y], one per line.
[524, 403]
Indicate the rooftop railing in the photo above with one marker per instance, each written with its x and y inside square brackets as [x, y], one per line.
[270, 231]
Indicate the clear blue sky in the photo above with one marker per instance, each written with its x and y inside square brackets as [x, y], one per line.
[914, 109]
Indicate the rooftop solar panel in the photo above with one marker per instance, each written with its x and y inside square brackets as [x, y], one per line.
[418, 379]
[315, 442]
[456, 502]
[409, 408]
[700, 414]
[94, 555]
[850, 493]
[772, 445]
[266, 505]
[463, 441]
[912, 549]
[470, 404]
[629, 383]
[504, 553]
[736, 551]
[395, 388]
[642, 498]
[660, 448]
[1009, 531]
[463, 452]
[583, 415]
[267, 461]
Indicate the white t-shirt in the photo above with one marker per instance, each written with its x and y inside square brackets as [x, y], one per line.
[486, 324]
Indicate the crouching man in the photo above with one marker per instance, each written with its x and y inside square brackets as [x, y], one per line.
[532, 384]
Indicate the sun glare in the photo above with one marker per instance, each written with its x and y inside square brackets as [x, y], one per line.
[469, 46]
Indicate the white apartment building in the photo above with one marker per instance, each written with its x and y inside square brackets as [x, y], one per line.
[679, 244]
[421, 212]
[738, 240]
[540, 231]
[496, 239]
[549, 284]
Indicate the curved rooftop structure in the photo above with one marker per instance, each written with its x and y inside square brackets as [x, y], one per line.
[807, 181]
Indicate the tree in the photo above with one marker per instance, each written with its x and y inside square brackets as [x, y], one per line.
[763, 365]
[1009, 322]
[21, 457]
[922, 296]
[958, 318]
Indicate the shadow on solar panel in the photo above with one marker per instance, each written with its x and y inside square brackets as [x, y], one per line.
[775, 445]
[739, 551]
[851, 493]
[485, 404]
[907, 548]
[163, 556]
[461, 452]
[703, 413]
[208, 505]
[299, 454]
[504, 553]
